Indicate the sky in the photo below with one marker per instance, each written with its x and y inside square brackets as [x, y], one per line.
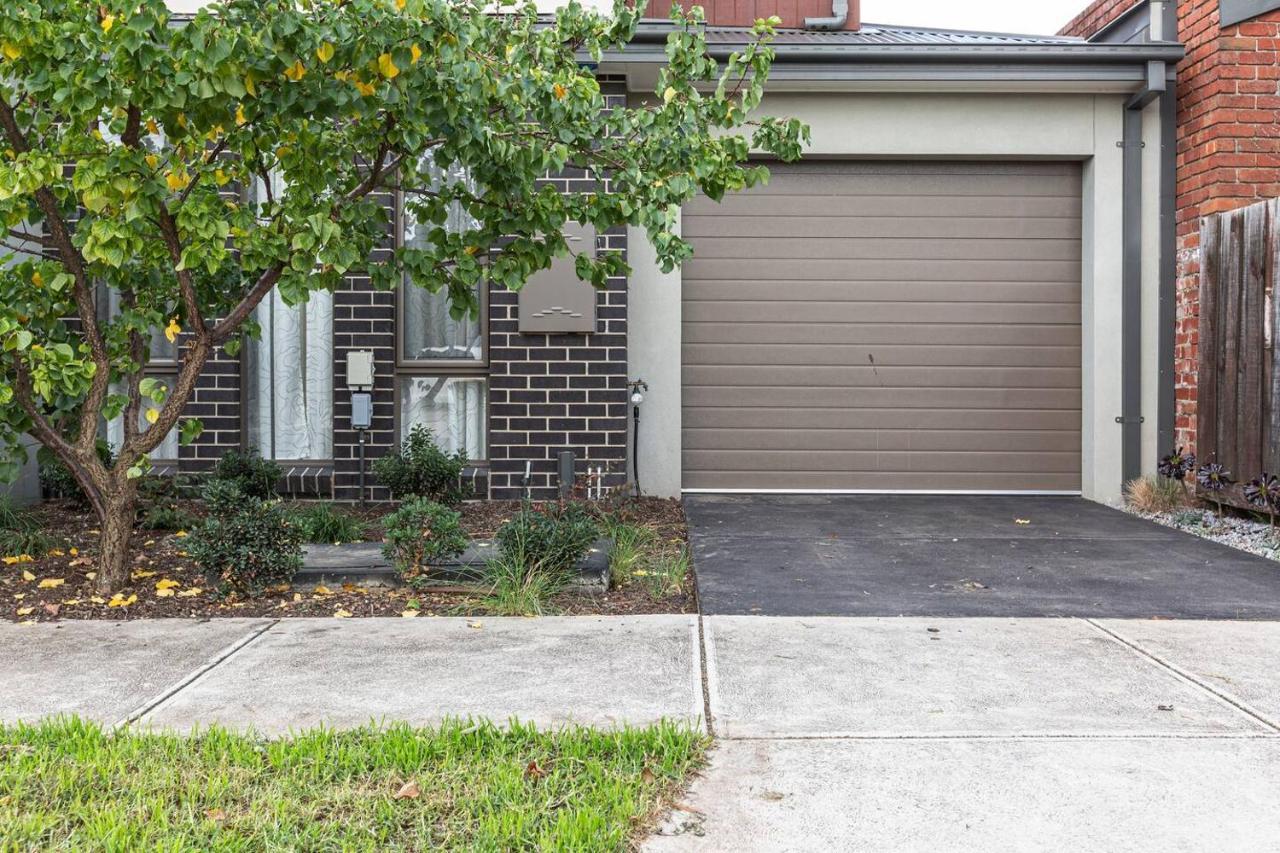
[1009, 16]
[1038, 17]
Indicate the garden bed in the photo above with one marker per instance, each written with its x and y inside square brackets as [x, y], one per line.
[1235, 531]
[59, 582]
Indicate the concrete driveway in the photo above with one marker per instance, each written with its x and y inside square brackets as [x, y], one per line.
[908, 555]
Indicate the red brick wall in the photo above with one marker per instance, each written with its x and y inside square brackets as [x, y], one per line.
[1228, 148]
[743, 13]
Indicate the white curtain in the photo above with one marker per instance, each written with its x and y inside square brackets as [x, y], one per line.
[167, 450]
[452, 408]
[290, 373]
[430, 333]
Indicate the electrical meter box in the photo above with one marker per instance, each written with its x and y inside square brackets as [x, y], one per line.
[556, 300]
[360, 369]
[361, 410]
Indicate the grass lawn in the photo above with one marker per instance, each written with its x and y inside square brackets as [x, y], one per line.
[67, 784]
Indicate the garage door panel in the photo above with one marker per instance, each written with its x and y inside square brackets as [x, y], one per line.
[807, 269]
[886, 326]
[729, 437]
[987, 248]
[1065, 400]
[801, 419]
[902, 313]
[874, 291]
[895, 208]
[861, 461]
[709, 342]
[856, 376]
[876, 227]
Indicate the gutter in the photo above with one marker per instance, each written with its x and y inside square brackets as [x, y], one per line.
[839, 15]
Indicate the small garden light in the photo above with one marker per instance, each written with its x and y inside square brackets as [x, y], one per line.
[637, 397]
[638, 387]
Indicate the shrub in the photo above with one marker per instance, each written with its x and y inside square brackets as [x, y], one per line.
[422, 532]
[550, 542]
[56, 479]
[256, 477]
[20, 531]
[322, 522]
[421, 469]
[631, 544]
[1155, 494]
[246, 545]
[515, 591]
[167, 517]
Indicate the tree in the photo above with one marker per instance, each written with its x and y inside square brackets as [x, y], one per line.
[127, 142]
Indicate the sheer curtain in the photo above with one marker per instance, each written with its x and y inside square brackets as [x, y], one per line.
[429, 332]
[452, 408]
[290, 373]
[167, 450]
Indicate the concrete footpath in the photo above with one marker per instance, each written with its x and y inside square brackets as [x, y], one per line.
[832, 733]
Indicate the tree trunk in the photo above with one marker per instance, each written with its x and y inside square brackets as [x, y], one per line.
[119, 506]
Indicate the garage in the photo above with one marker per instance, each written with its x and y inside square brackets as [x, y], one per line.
[873, 326]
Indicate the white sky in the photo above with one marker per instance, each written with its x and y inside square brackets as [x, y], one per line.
[1010, 16]
[1038, 17]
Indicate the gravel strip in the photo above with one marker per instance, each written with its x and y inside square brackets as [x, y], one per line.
[1245, 534]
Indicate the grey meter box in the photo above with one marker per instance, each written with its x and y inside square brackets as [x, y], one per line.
[360, 369]
[556, 300]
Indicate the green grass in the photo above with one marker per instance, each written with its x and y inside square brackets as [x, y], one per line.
[20, 531]
[631, 546]
[515, 590]
[667, 573]
[324, 524]
[66, 784]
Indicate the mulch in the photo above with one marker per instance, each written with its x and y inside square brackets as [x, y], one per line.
[165, 582]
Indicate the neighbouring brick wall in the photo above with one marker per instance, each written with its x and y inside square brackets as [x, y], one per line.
[1228, 149]
[1097, 16]
[549, 393]
[217, 402]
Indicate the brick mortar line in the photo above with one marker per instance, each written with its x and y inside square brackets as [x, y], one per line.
[1190, 678]
[191, 678]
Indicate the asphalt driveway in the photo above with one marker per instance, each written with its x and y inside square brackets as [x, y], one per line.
[938, 556]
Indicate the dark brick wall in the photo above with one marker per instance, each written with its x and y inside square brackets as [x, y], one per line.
[549, 393]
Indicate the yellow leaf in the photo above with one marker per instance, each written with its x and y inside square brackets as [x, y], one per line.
[10, 50]
[74, 551]
[558, 91]
[142, 573]
[181, 534]
[27, 576]
[476, 625]
[97, 599]
[220, 178]
[250, 86]
[56, 553]
[400, 5]
[108, 22]
[152, 415]
[416, 53]
[240, 119]
[23, 611]
[152, 160]
[1022, 521]
[669, 95]
[118, 600]
[365, 89]
[296, 71]
[164, 593]
[409, 614]
[342, 614]
[152, 127]
[387, 68]
[71, 602]
[323, 590]
[190, 593]
[28, 622]
[172, 330]
[324, 52]
[165, 583]
[177, 180]
[51, 583]
[37, 279]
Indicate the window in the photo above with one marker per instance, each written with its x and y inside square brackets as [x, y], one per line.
[289, 371]
[162, 364]
[441, 382]
[165, 451]
[289, 379]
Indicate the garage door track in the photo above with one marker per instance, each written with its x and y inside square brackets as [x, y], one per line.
[916, 555]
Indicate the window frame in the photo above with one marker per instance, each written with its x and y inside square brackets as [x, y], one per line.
[442, 368]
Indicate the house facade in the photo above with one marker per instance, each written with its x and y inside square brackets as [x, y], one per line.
[960, 289]
[1226, 133]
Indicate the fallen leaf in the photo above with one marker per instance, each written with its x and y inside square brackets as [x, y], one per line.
[164, 593]
[215, 814]
[165, 583]
[79, 561]
[190, 593]
[97, 599]
[28, 622]
[51, 583]
[74, 551]
[20, 558]
[140, 574]
[118, 600]
[56, 553]
[342, 614]
[533, 771]
[52, 609]
[297, 596]
[25, 611]
[1022, 521]
[181, 534]
[647, 776]
[476, 625]
[323, 590]
[71, 602]
[27, 576]
[408, 791]
[409, 614]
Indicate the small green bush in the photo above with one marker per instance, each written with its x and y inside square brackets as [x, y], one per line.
[631, 545]
[421, 469]
[515, 591]
[167, 517]
[246, 545]
[321, 522]
[422, 532]
[20, 531]
[56, 479]
[256, 477]
[550, 542]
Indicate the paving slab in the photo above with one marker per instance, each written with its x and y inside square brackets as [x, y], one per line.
[1027, 795]
[600, 671]
[102, 670]
[1240, 660]
[940, 556]
[820, 677]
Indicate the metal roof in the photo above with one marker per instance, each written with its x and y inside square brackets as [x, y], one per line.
[887, 35]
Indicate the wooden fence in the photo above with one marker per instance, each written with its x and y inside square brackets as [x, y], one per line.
[1238, 405]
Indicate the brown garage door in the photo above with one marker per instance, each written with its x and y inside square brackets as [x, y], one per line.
[883, 326]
